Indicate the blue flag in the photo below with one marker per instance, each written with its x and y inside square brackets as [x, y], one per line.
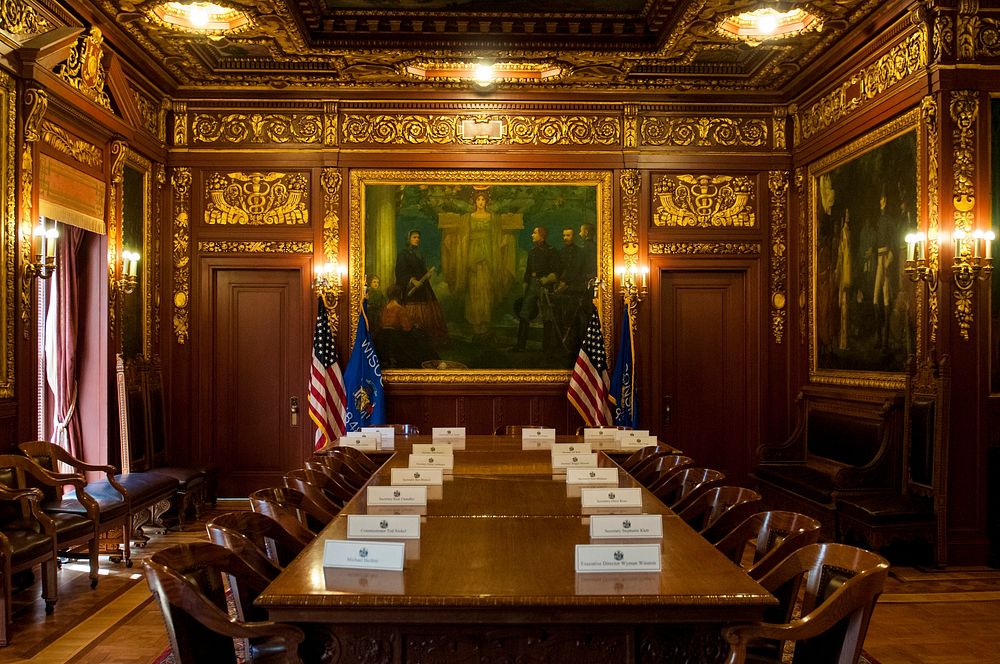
[624, 408]
[363, 380]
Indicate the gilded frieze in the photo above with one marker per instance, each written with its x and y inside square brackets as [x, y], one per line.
[943, 39]
[705, 201]
[987, 37]
[929, 113]
[180, 110]
[630, 139]
[8, 230]
[565, 130]
[630, 181]
[330, 123]
[968, 28]
[17, 18]
[63, 141]
[907, 58]
[257, 199]
[257, 128]
[778, 183]
[149, 112]
[84, 69]
[181, 183]
[712, 248]
[779, 122]
[255, 247]
[710, 131]
[964, 109]
[517, 130]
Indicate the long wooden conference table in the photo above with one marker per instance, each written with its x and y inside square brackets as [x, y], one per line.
[491, 579]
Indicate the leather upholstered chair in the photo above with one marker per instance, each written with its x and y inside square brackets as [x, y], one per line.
[289, 506]
[774, 535]
[187, 582]
[261, 541]
[839, 586]
[321, 489]
[718, 510]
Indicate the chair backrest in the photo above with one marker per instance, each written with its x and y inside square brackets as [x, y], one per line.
[405, 429]
[187, 580]
[289, 508]
[358, 457]
[643, 452]
[515, 429]
[774, 536]
[335, 492]
[680, 488]
[316, 502]
[836, 587]
[260, 540]
[658, 466]
[339, 469]
[133, 442]
[717, 510]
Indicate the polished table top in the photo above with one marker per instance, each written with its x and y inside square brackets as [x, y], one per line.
[498, 545]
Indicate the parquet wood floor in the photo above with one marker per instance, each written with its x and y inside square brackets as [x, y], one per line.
[947, 617]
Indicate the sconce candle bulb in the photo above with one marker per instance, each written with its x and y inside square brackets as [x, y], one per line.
[43, 247]
[915, 265]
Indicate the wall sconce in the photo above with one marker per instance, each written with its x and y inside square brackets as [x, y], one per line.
[43, 252]
[973, 261]
[327, 284]
[130, 265]
[633, 286]
[916, 264]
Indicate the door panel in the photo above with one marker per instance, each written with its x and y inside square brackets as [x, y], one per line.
[704, 380]
[258, 367]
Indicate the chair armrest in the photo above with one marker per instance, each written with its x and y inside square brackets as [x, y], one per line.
[32, 496]
[6, 493]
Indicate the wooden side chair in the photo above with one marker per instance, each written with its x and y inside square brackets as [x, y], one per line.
[680, 489]
[839, 586]
[27, 538]
[277, 502]
[718, 510]
[630, 463]
[256, 538]
[187, 581]
[774, 536]
[339, 469]
[323, 490]
[658, 466]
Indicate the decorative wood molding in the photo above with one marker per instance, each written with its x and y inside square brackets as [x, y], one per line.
[630, 181]
[705, 201]
[964, 111]
[8, 230]
[181, 183]
[17, 18]
[257, 128]
[257, 199]
[778, 184]
[929, 114]
[118, 150]
[84, 69]
[703, 131]
[255, 247]
[36, 102]
[180, 110]
[713, 248]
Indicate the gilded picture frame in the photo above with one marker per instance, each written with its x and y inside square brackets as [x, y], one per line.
[490, 219]
[863, 199]
[138, 235]
[8, 233]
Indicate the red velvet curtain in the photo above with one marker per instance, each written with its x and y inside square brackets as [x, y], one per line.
[61, 341]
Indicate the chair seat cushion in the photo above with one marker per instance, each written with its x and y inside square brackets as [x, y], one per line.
[71, 526]
[27, 545]
[187, 478]
[145, 489]
[111, 503]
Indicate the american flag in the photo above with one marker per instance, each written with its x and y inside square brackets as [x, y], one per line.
[588, 386]
[327, 396]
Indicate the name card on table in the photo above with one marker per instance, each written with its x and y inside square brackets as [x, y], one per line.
[453, 435]
[369, 442]
[592, 476]
[599, 438]
[537, 439]
[358, 554]
[433, 448]
[387, 436]
[618, 558]
[632, 526]
[442, 461]
[417, 476]
[571, 448]
[360, 526]
[574, 460]
[397, 495]
[631, 438]
[616, 497]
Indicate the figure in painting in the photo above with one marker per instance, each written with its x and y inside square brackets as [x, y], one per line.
[843, 269]
[540, 275]
[885, 237]
[571, 292]
[376, 302]
[414, 280]
[399, 342]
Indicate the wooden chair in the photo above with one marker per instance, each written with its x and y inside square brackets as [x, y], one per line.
[338, 468]
[680, 489]
[259, 540]
[658, 466]
[289, 508]
[323, 490]
[356, 457]
[515, 429]
[72, 529]
[187, 581]
[840, 585]
[718, 510]
[630, 463]
[405, 429]
[774, 535]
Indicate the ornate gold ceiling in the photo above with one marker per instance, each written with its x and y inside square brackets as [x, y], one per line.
[614, 45]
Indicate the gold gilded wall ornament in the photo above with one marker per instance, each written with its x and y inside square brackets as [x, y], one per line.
[84, 69]
[905, 59]
[778, 183]
[149, 112]
[630, 181]
[82, 151]
[803, 226]
[180, 110]
[398, 129]
[181, 183]
[331, 181]
[36, 102]
[330, 123]
[968, 28]
[630, 131]
[154, 257]
[255, 247]
[705, 201]
[17, 18]
[987, 38]
[929, 113]
[943, 37]
[964, 111]
[8, 230]
[257, 199]
[779, 122]
[118, 150]
[713, 248]
[705, 131]
[257, 128]
[564, 130]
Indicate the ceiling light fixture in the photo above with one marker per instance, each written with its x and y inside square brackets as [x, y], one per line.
[205, 18]
[771, 22]
[484, 74]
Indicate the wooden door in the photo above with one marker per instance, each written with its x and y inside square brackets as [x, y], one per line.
[259, 355]
[704, 395]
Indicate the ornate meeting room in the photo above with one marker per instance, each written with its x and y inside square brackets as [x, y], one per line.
[452, 331]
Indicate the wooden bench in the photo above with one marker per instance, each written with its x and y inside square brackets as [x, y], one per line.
[847, 443]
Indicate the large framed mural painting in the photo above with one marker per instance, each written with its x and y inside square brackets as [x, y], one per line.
[479, 275]
[863, 201]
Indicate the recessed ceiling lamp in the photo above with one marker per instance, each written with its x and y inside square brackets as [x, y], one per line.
[769, 23]
[204, 18]
[483, 74]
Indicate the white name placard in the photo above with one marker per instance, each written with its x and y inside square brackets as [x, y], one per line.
[442, 461]
[453, 435]
[574, 460]
[637, 442]
[597, 437]
[361, 440]
[544, 434]
[592, 476]
[387, 436]
[618, 558]
[357, 554]
[571, 448]
[433, 448]
[416, 476]
[629, 526]
[397, 495]
[396, 526]
[616, 497]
